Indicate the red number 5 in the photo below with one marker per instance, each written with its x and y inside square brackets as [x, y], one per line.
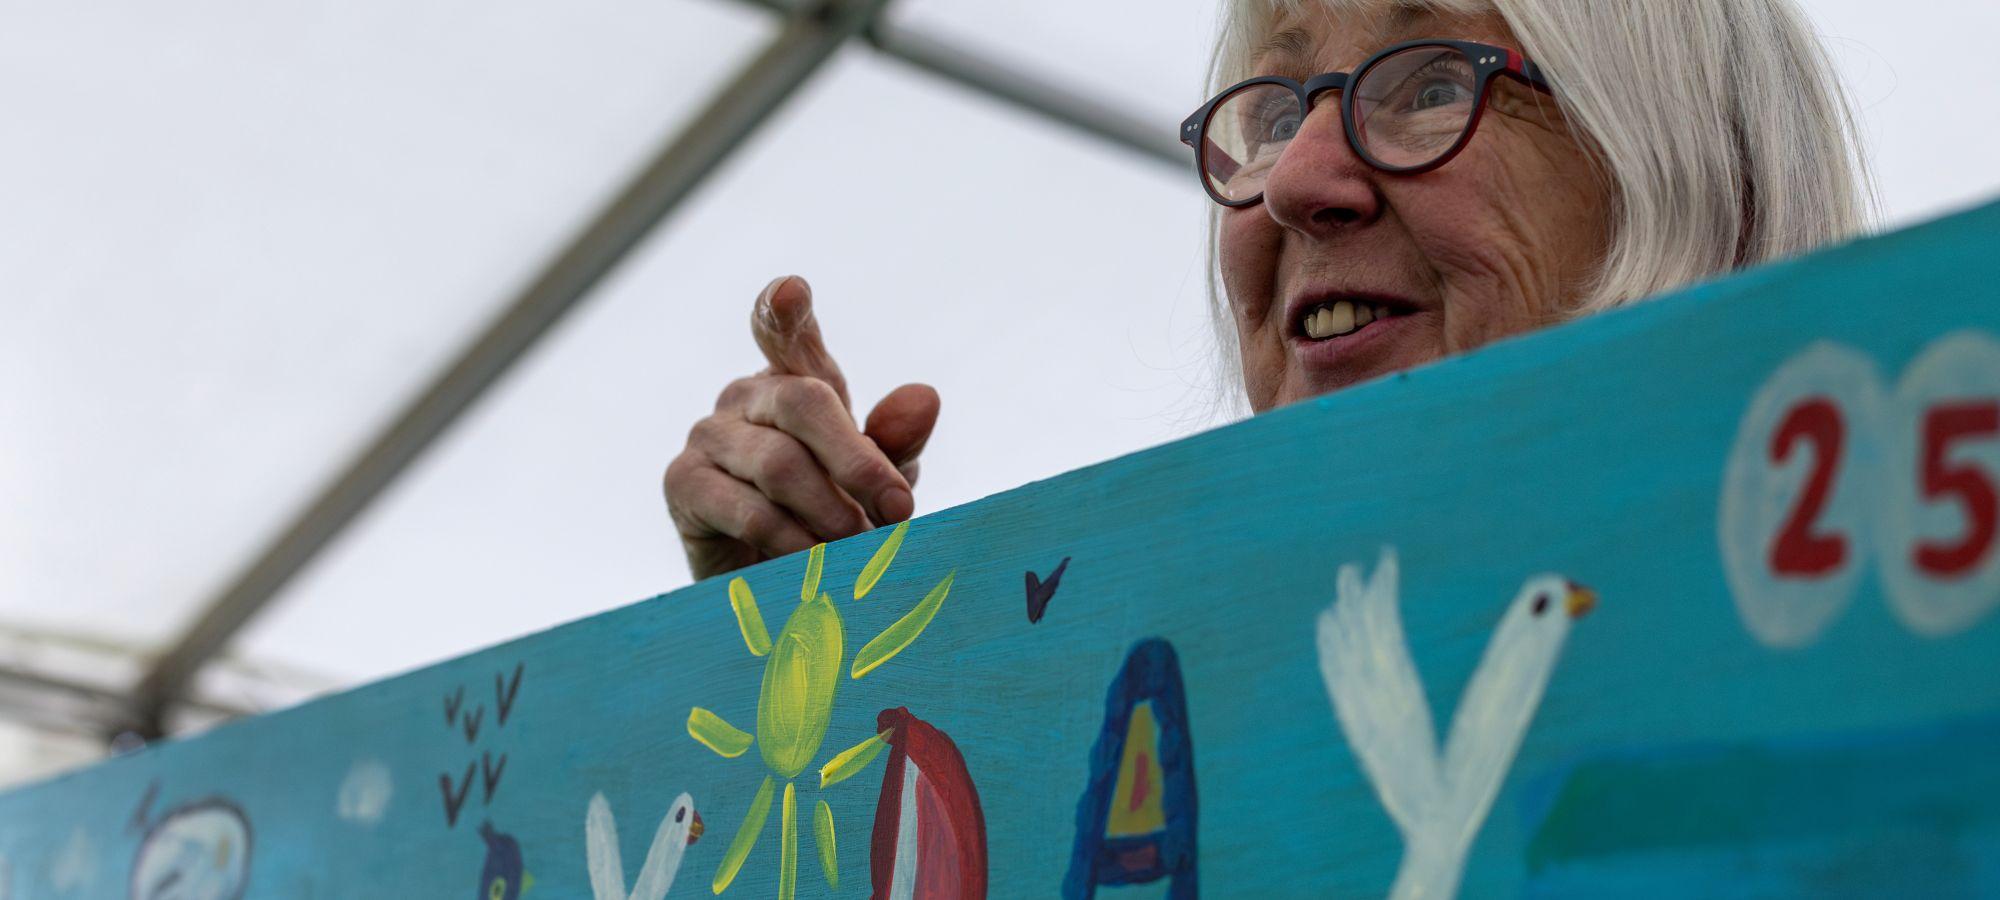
[1967, 482]
[1799, 551]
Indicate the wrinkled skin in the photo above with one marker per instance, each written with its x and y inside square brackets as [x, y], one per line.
[1496, 242]
[1501, 240]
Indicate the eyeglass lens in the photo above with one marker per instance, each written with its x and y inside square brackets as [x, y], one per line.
[1410, 108]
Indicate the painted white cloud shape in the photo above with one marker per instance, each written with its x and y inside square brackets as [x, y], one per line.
[364, 794]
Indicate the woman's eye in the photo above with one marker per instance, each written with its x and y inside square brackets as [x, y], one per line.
[1273, 121]
[1439, 93]
[1284, 129]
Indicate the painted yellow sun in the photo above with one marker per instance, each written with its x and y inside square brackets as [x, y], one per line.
[796, 704]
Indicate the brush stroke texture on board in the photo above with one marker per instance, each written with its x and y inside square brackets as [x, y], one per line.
[1691, 599]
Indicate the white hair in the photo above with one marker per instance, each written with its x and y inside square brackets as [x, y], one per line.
[1719, 127]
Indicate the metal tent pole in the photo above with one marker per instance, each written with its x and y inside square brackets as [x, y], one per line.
[965, 66]
[810, 35]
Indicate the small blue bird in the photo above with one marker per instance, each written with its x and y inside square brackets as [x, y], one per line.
[503, 877]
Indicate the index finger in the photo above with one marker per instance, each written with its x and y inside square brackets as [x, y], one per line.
[788, 334]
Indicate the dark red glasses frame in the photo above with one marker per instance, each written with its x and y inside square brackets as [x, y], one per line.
[1488, 61]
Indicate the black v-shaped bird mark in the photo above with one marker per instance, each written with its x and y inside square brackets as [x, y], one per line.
[503, 696]
[1041, 592]
[489, 774]
[471, 721]
[454, 800]
[452, 702]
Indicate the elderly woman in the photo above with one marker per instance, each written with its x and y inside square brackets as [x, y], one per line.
[1395, 181]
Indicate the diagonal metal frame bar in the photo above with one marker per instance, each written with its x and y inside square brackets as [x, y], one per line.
[981, 73]
[984, 74]
[812, 32]
[808, 38]
[61, 704]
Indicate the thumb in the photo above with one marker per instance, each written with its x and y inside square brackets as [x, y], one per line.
[901, 424]
[786, 331]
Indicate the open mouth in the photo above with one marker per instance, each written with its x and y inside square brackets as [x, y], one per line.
[1331, 319]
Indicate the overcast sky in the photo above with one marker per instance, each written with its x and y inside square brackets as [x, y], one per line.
[237, 236]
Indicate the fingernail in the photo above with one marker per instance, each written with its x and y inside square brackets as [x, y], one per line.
[779, 319]
[895, 504]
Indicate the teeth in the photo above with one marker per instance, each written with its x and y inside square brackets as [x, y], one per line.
[1342, 317]
[1338, 318]
[1317, 325]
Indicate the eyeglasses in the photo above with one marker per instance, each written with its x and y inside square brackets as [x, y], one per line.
[1407, 109]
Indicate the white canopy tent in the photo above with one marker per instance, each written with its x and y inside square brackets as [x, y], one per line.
[246, 243]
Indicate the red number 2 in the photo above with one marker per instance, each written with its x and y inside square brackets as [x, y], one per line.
[1799, 551]
[1942, 425]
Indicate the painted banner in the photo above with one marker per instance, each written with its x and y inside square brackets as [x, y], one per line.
[1695, 598]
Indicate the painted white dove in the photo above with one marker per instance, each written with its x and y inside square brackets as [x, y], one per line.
[681, 827]
[1438, 804]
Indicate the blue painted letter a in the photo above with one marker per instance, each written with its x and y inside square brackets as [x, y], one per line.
[1136, 820]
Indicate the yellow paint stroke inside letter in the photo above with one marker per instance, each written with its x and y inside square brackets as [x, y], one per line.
[823, 838]
[879, 563]
[893, 639]
[1135, 801]
[851, 760]
[748, 618]
[716, 734]
[746, 838]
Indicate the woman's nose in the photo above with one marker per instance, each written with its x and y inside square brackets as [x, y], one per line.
[1318, 185]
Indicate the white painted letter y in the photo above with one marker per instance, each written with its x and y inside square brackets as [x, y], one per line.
[1437, 801]
[663, 858]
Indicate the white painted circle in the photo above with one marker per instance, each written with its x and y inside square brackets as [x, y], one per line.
[1760, 496]
[197, 852]
[1958, 370]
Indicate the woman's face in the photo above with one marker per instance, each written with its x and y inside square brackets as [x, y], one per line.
[1494, 243]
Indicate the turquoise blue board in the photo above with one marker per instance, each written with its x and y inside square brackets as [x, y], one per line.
[1692, 599]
